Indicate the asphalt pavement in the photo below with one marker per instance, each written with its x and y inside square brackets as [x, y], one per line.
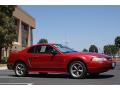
[112, 77]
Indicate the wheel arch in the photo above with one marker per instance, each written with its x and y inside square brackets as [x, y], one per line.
[76, 59]
[19, 60]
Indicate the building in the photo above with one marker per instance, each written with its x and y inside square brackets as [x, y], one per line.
[25, 24]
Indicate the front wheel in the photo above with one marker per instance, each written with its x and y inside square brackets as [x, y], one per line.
[77, 69]
[20, 69]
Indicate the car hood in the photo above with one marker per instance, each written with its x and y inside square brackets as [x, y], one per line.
[88, 54]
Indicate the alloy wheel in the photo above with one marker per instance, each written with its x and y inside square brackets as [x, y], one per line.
[77, 69]
[20, 69]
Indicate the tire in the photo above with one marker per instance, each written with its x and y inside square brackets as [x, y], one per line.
[77, 70]
[20, 69]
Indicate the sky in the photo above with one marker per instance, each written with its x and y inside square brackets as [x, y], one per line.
[76, 26]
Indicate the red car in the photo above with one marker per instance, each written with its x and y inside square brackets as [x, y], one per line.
[56, 58]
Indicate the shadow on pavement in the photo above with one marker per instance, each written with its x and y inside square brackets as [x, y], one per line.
[103, 76]
[64, 76]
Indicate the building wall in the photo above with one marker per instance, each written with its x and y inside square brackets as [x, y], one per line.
[25, 25]
[24, 16]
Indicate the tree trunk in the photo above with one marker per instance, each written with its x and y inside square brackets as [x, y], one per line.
[119, 52]
[6, 54]
[0, 54]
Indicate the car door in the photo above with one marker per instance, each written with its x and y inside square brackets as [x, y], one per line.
[38, 58]
[55, 60]
[42, 58]
[32, 56]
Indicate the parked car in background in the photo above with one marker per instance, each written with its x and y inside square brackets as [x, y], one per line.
[56, 58]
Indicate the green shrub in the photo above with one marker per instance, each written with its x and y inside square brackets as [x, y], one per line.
[3, 60]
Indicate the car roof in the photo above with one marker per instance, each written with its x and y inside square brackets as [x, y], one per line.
[38, 44]
[44, 44]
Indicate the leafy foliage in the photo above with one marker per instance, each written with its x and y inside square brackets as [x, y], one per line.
[110, 50]
[7, 26]
[93, 48]
[85, 50]
[43, 41]
[117, 41]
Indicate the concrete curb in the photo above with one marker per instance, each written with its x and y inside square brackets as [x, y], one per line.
[3, 68]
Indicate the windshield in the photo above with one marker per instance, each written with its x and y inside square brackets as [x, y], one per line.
[64, 49]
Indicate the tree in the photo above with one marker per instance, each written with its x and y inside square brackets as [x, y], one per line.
[7, 26]
[110, 50]
[43, 41]
[107, 50]
[93, 48]
[117, 43]
[85, 50]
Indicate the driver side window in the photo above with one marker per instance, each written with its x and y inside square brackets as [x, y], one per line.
[41, 49]
[44, 49]
[49, 49]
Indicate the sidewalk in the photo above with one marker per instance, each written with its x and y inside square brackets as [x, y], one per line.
[116, 59]
[3, 68]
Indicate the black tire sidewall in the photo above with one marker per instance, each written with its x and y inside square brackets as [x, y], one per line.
[25, 72]
[84, 70]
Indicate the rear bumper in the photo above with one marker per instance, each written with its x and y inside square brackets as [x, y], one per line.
[10, 66]
[99, 67]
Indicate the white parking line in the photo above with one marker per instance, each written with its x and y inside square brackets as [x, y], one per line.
[12, 77]
[16, 83]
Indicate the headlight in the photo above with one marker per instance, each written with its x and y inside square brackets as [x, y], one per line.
[98, 59]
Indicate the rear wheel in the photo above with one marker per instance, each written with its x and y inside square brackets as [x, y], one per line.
[20, 69]
[77, 69]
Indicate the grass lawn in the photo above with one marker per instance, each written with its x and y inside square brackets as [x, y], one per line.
[2, 65]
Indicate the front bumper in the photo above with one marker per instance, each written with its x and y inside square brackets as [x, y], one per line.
[99, 67]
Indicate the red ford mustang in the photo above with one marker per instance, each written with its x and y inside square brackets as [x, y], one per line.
[56, 58]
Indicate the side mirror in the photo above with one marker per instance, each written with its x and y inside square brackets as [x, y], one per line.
[54, 52]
